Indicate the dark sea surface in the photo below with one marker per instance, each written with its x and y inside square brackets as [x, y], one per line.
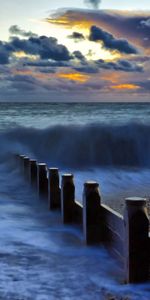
[110, 143]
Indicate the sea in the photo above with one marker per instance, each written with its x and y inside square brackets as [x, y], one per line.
[109, 143]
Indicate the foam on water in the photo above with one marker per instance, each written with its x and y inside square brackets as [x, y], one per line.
[41, 259]
[115, 156]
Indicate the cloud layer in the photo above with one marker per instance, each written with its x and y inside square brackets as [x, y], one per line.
[41, 67]
[110, 42]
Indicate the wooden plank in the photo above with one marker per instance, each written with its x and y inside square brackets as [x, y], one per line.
[113, 232]
[113, 240]
[113, 220]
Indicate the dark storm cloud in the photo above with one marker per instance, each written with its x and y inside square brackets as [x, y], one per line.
[84, 66]
[45, 63]
[49, 63]
[95, 3]
[120, 65]
[4, 57]
[79, 55]
[110, 42]
[4, 54]
[97, 66]
[16, 30]
[88, 68]
[45, 47]
[76, 36]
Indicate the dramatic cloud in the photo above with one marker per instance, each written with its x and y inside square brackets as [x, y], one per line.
[4, 54]
[96, 66]
[79, 55]
[122, 24]
[39, 67]
[15, 30]
[45, 47]
[45, 63]
[110, 42]
[4, 57]
[77, 36]
[95, 3]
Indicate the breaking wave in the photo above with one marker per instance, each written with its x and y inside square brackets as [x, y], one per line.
[82, 146]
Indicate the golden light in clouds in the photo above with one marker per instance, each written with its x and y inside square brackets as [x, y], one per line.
[80, 78]
[91, 50]
[22, 54]
[70, 19]
[85, 46]
[126, 86]
[112, 77]
[74, 76]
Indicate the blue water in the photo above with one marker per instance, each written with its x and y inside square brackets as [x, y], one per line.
[40, 258]
[109, 143]
[42, 115]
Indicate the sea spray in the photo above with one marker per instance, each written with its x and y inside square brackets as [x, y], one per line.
[82, 146]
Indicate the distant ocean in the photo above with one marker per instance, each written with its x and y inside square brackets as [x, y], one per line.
[40, 258]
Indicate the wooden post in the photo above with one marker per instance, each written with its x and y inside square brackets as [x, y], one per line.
[26, 161]
[54, 201]
[33, 171]
[136, 240]
[67, 198]
[91, 212]
[42, 181]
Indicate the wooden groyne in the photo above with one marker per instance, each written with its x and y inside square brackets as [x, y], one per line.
[127, 237]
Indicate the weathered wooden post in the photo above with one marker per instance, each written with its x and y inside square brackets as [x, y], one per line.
[33, 171]
[26, 162]
[67, 198]
[91, 212]
[42, 181]
[136, 243]
[54, 201]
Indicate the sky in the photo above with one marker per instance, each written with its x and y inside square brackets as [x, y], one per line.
[70, 51]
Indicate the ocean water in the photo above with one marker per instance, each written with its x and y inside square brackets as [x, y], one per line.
[110, 143]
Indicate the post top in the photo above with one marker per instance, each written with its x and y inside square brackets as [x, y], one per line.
[53, 169]
[135, 201]
[25, 157]
[40, 165]
[33, 160]
[91, 183]
[67, 175]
